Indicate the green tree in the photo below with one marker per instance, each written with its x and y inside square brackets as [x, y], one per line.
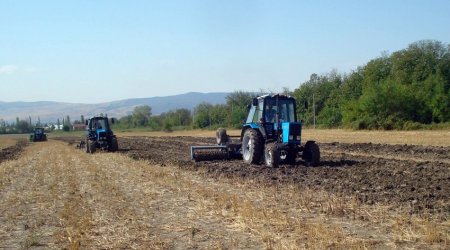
[237, 104]
[141, 115]
[23, 127]
[202, 115]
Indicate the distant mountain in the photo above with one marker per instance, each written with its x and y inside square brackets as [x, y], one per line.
[51, 111]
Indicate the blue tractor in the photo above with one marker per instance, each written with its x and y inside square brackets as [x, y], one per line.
[99, 135]
[38, 134]
[271, 134]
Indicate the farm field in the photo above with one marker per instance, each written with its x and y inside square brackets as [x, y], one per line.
[151, 195]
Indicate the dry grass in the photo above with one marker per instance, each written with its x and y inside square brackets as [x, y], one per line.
[420, 137]
[7, 141]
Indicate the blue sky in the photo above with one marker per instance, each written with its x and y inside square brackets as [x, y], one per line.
[98, 51]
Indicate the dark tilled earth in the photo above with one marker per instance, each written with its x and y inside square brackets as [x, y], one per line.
[12, 152]
[408, 176]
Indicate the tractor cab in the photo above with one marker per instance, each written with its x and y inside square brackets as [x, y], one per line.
[275, 117]
[99, 124]
[266, 109]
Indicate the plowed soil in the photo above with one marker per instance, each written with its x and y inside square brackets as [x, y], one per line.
[12, 152]
[405, 176]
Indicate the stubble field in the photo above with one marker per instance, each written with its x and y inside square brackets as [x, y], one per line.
[151, 195]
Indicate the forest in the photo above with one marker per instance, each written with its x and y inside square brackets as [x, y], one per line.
[407, 89]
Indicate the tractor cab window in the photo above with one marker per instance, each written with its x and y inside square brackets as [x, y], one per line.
[258, 113]
[270, 111]
[38, 131]
[255, 113]
[287, 111]
[98, 124]
[101, 124]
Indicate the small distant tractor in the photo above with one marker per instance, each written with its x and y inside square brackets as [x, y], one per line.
[38, 135]
[271, 134]
[99, 135]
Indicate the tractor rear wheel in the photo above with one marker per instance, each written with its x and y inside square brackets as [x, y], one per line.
[252, 146]
[90, 147]
[271, 155]
[114, 145]
[221, 136]
[311, 154]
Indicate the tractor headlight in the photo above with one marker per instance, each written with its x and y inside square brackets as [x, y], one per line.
[294, 137]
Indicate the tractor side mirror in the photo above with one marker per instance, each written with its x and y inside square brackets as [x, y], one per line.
[86, 122]
[113, 120]
[306, 104]
[255, 102]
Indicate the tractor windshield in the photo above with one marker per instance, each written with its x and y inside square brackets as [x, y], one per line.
[101, 124]
[285, 110]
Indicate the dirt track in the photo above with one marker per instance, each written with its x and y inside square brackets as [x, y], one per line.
[406, 176]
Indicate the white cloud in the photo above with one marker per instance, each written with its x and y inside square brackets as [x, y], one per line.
[8, 69]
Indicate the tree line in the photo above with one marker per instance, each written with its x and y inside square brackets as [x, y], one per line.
[21, 126]
[407, 89]
[204, 115]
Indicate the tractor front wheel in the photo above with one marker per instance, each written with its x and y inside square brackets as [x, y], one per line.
[291, 157]
[271, 155]
[252, 147]
[311, 154]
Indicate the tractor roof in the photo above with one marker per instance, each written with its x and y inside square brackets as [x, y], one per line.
[282, 96]
[98, 117]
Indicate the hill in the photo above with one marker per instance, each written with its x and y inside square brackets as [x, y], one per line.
[50, 111]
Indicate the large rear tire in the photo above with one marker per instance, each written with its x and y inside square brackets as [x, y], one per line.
[90, 147]
[271, 155]
[252, 147]
[311, 154]
[114, 145]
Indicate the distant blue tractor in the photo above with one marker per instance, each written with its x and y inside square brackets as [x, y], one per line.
[38, 134]
[271, 134]
[99, 135]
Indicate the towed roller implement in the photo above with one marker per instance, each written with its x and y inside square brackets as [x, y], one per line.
[224, 149]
